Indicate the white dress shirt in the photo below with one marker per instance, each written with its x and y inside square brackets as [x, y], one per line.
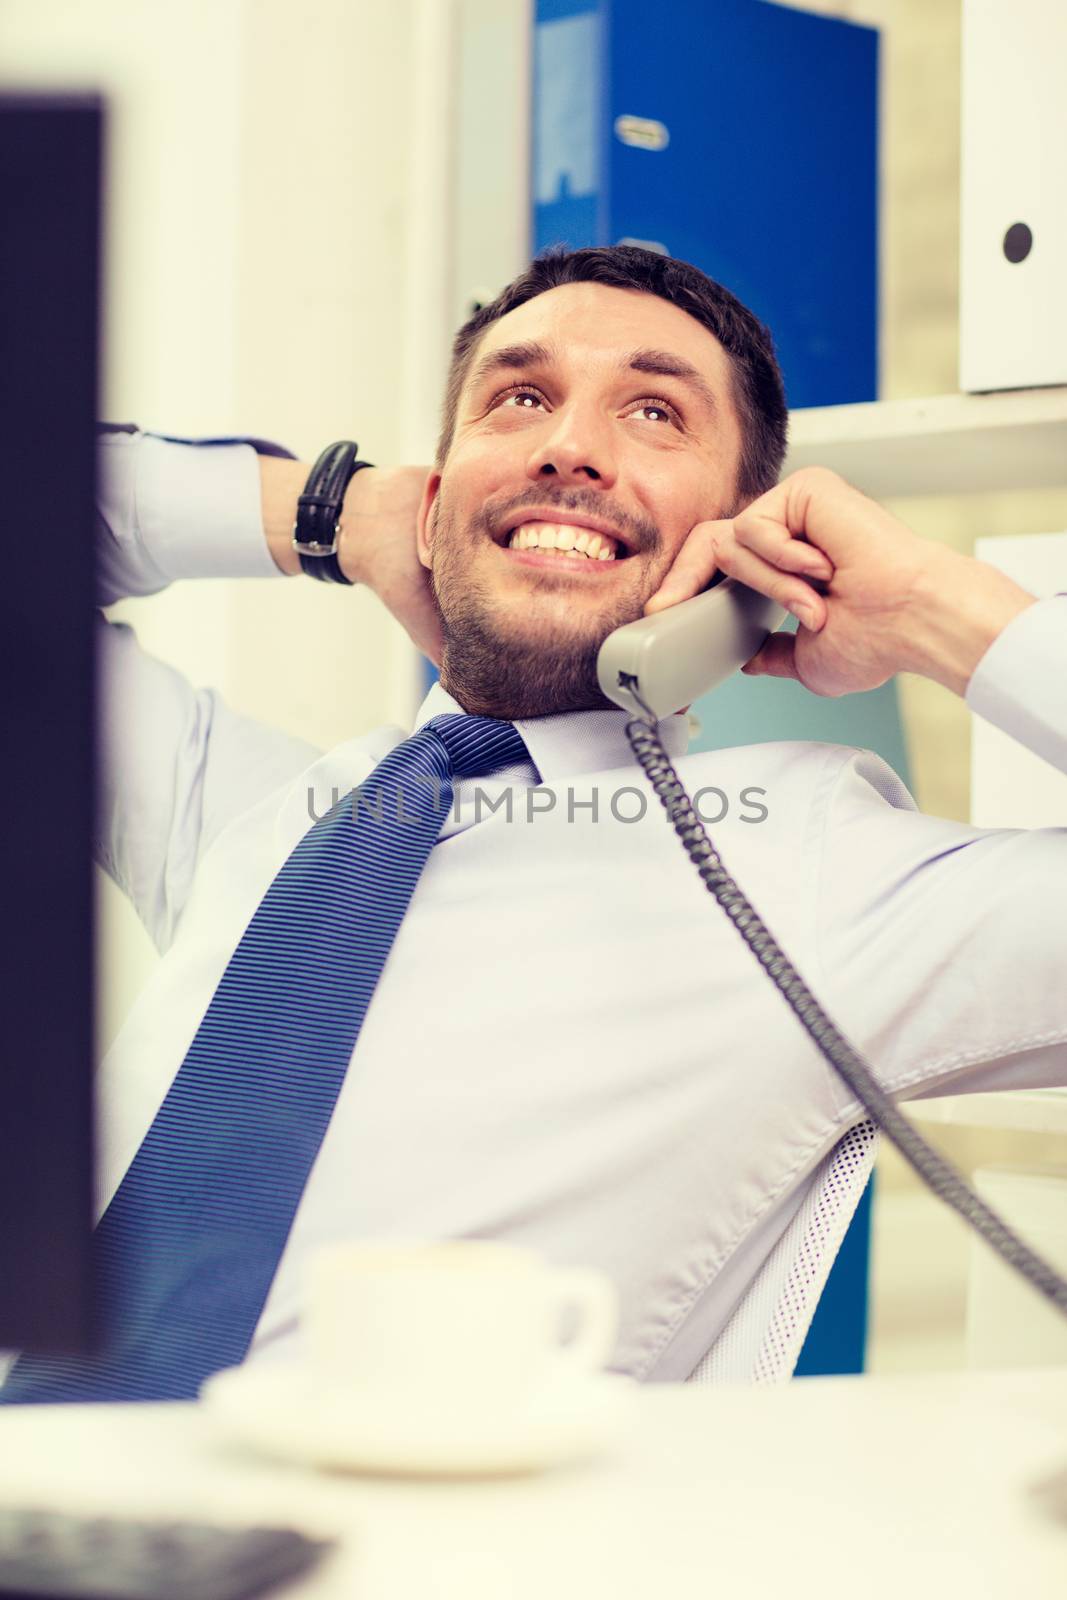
[570, 1048]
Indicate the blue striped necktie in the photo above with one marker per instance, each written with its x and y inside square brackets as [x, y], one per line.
[187, 1249]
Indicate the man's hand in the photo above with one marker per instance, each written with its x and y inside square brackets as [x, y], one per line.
[871, 597]
[377, 544]
[377, 548]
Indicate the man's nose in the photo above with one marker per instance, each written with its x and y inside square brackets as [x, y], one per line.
[575, 446]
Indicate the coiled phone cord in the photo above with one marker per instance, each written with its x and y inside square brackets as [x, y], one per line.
[934, 1170]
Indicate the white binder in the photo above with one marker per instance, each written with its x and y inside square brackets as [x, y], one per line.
[1013, 195]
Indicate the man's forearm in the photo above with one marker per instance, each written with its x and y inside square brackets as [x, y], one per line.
[960, 606]
[281, 482]
[873, 598]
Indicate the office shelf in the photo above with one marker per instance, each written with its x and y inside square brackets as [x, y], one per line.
[945, 444]
[1022, 1111]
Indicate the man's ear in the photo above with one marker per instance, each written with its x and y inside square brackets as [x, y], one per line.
[423, 536]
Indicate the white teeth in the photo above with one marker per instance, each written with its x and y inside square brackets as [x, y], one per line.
[561, 536]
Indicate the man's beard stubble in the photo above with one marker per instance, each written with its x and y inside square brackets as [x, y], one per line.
[493, 671]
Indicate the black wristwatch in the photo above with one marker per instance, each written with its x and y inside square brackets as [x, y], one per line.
[317, 528]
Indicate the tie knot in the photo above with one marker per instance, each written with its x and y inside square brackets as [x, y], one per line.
[478, 745]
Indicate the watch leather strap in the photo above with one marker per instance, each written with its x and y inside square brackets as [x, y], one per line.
[317, 529]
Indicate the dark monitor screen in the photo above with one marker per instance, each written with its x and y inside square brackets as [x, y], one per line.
[50, 161]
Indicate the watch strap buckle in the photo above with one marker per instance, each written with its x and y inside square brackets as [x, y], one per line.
[315, 547]
[317, 529]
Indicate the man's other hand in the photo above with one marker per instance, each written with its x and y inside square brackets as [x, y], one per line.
[377, 548]
[871, 597]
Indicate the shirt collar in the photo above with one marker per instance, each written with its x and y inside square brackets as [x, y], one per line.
[569, 743]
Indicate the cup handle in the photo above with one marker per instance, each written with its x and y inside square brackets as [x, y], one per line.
[595, 1298]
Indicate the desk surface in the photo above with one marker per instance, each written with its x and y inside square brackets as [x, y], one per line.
[847, 1487]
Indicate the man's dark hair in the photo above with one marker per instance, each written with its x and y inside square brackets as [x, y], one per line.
[758, 391]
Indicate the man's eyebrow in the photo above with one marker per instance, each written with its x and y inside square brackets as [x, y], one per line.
[511, 358]
[662, 364]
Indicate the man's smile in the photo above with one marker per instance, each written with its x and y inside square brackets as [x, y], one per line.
[568, 542]
[563, 546]
[562, 519]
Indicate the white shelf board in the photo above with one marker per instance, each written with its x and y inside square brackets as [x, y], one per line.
[944, 444]
[1021, 1111]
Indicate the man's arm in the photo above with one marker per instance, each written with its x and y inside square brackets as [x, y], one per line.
[176, 764]
[169, 511]
[174, 509]
[941, 948]
[893, 602]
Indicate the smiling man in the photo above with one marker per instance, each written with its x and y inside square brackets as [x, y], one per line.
[588, 428]
[541, 1030]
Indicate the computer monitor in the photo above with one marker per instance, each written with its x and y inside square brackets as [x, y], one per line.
[50, 160]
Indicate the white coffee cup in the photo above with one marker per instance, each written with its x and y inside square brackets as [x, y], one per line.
[453, 1325]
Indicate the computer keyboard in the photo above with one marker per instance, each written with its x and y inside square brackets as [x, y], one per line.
[64, 1557]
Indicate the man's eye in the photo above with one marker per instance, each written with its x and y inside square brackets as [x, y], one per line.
[521, 397]
[528, 399]
[666, 413]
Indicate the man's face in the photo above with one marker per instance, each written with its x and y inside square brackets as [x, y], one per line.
[587, 410]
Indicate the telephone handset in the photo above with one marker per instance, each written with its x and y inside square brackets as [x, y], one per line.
[658, 665]
[664, 662]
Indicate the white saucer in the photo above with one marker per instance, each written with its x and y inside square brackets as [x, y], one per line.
[288, 1411]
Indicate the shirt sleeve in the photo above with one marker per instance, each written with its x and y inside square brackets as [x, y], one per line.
[942, 947]
[1020, 683]
[174, 509]
[175, 763]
